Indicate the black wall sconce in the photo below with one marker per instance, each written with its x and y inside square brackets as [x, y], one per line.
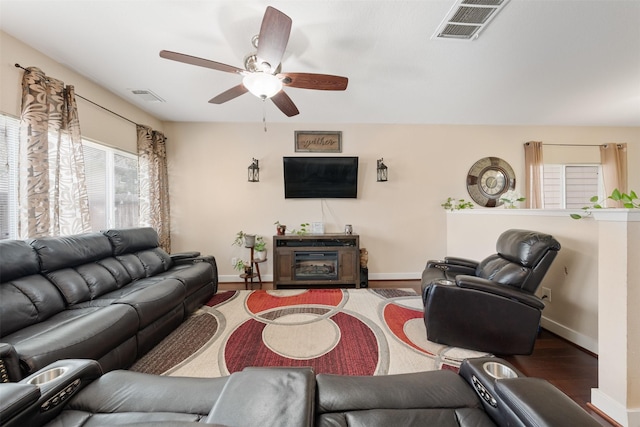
[382, 171]
[254, 171]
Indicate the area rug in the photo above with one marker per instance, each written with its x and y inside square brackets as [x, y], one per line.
[339, 331]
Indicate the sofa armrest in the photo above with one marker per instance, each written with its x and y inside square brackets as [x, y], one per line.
[485, 285]
[178, 256]
[55, 385]
[453, 266]
[267, 397]
[9, 364]
[16, 398]
[537, 403]
[462, 262]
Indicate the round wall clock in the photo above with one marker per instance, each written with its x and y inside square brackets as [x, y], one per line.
[488, 179]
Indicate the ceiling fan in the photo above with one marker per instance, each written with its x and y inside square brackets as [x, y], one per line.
[262, 75]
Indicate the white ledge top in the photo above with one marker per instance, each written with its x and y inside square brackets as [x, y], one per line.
[606, 214]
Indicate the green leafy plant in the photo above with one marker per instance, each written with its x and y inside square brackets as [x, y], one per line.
[246, 238]
[260, 245]
[240, 264]
[511, 197]
[239, 238]
[452, 204]
[629, 201]
[303, 229]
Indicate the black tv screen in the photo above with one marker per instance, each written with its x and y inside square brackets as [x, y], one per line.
[320, 177]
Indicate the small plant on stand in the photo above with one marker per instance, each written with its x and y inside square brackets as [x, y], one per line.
[260, 248]
[249, 240]
[243, 266]
[281, 229]
[452, 204]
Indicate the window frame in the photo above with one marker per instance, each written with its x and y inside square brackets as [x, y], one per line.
[563, 183]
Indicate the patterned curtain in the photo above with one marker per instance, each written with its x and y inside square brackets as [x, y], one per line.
[52, 194]
[614, 170]
[154, 183]
[533, 165]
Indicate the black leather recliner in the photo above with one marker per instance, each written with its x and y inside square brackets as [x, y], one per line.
[487, 392]
[489, 305]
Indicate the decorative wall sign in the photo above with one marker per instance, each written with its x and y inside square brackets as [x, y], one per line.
[318, 142]
[488, 179]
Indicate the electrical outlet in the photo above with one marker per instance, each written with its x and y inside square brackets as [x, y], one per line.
[546, 294]
[234, 261]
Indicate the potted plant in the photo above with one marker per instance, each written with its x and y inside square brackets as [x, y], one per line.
[248, 239]
[260, 249]
[281, 229]
[242, 265]
[510, 198]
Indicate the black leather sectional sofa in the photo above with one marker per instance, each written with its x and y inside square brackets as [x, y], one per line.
[108, 296]
[487, 392]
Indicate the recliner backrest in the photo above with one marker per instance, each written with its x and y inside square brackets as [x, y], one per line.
[522, 260]
[27, 297]
[138, 250]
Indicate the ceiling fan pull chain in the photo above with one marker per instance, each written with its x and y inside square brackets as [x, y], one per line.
[264, 114]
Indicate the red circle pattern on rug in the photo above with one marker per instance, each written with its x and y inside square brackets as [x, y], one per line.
[355, 353]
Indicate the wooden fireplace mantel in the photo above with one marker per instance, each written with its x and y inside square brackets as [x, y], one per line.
[344, 248]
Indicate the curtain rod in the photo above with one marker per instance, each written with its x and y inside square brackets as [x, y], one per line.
[575, 145]
[97, 105]
[582, 145]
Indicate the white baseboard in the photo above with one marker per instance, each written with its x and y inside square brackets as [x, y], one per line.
[234, 278]
[628, 417]
[395, 276]
[569, 334]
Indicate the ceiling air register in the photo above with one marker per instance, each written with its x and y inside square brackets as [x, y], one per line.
[467, 18]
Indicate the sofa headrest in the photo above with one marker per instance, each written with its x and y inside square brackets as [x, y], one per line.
[17, 259]
[130, 240]
[525, 247]
[70, 251]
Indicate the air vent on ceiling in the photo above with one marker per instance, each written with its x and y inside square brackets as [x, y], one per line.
[467, 18]
[146, 95]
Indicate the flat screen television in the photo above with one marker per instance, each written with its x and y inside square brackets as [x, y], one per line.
[320, 177]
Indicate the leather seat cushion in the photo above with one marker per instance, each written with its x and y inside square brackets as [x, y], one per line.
[91, 331]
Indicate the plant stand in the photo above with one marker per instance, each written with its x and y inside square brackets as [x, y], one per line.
[248, 278]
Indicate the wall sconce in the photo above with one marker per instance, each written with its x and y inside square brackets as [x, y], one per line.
[254, 171]
[382, 171]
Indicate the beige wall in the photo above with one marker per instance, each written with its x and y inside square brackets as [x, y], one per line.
[400, 222]
[95, 123]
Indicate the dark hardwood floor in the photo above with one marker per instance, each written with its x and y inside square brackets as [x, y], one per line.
[570, 368]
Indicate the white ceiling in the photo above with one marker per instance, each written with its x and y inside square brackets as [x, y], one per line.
[539, 62]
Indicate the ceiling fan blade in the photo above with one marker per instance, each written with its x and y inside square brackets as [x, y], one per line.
[285, 104]
[273, 37]
[230, 94]
[194, 60]
[314, 81]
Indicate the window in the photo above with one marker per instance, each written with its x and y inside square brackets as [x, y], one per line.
[9, 127]
[112, 186]
[571, 186]
[111, 178]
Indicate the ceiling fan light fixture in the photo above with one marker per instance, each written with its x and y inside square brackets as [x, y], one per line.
[262, 85]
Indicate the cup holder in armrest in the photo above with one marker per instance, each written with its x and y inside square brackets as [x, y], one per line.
[47, 376]
[445, 282]
[499, 370]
